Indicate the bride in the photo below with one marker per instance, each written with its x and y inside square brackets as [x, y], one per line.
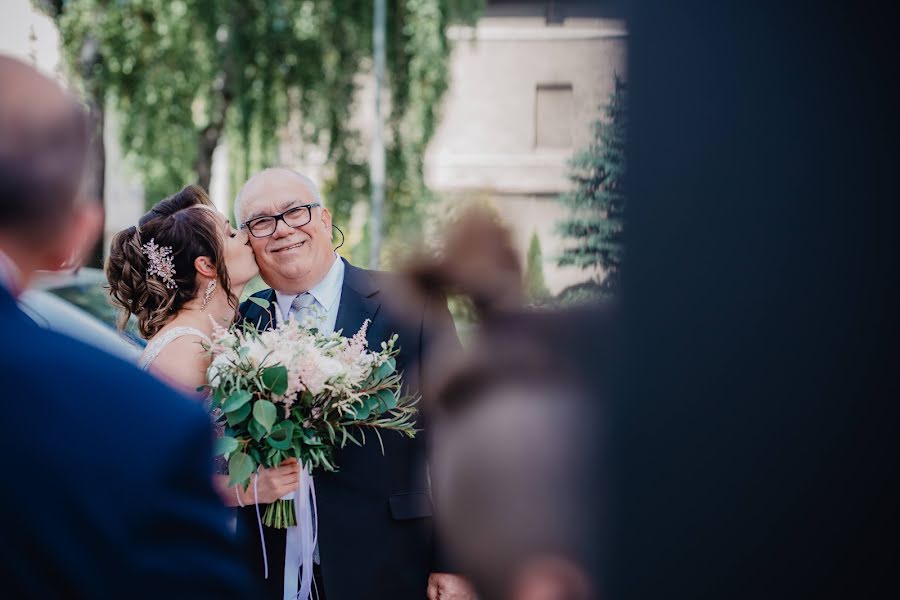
[180, 270]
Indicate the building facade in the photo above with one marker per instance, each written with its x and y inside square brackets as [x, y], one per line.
[527, 83]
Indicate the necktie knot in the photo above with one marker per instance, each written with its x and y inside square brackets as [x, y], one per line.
[302, 308]
[302, 302]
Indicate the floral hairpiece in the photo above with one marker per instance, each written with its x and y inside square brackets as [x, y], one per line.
[161, 263]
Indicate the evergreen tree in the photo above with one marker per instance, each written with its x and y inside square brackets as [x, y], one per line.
[597, 200]
[535, 287]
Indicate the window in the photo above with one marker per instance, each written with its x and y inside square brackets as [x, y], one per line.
[553, 115]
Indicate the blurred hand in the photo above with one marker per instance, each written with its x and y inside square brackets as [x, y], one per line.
[272, 484]
[445, 586]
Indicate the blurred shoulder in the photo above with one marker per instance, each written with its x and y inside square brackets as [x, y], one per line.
[51, 366]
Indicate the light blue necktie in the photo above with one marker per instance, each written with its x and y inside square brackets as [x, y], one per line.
[302, 307]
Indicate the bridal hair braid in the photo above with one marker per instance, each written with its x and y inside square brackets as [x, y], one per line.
[187, 223]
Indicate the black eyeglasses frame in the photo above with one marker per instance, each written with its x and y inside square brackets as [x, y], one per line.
[280, 217]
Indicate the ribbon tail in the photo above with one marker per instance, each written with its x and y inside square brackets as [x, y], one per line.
[301, 542]
[262, 538]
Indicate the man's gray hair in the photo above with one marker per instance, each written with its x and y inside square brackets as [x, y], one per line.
[239, 199]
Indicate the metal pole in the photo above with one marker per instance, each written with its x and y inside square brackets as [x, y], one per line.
[376, 164]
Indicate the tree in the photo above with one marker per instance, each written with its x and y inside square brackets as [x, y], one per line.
[597, 200]
[535, 287]
[85, 59]
[186, 72]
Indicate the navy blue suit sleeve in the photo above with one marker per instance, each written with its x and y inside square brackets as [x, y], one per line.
[182, 542]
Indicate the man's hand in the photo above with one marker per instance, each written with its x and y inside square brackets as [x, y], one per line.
[445, 586]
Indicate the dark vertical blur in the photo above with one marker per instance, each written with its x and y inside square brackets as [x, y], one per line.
[755, 412]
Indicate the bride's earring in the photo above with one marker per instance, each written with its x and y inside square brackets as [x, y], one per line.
[210, 288]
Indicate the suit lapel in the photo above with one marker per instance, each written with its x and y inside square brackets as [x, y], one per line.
[357, 300]
[259, 317]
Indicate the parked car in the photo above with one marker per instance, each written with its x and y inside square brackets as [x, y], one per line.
[75, 303]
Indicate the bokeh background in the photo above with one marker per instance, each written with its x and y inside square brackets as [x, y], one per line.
[493, 102]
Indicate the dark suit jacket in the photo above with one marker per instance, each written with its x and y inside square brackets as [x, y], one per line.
[107, 489]
[375, 526]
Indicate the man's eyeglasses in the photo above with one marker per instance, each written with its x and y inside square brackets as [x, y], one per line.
[293, 217]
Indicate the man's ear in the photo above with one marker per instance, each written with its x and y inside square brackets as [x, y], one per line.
[326, 220]
[205, 267]
[73, 244]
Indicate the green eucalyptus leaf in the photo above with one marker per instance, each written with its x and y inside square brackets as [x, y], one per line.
[255, 454]
[240, 467]
[261, 302]
[256, 430]
[275, 379]
[265, 413]
[237, 416]
[281, 436]
[386, 400]
[236, 400]
[361, 411]
[225, 445]
[383, 371]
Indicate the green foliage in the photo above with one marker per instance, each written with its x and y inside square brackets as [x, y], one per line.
[535, 287]
[597, 202]
[275, 379]
[240, 467]
[265, 413]
[184, 72]
[587, 292]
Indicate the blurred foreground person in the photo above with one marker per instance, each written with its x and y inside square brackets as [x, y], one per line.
[519, 423]
[110, 493]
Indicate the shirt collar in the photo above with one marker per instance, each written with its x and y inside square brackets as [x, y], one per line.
[328, 289]
[325, 292]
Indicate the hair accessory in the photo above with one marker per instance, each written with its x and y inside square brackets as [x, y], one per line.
[161, 263]
[210, 288]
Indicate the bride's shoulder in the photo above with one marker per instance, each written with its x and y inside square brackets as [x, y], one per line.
[182, 360]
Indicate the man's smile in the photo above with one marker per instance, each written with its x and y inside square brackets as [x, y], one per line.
[291, 247]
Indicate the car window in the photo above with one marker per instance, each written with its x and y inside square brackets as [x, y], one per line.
[93, 300]
[52, 312]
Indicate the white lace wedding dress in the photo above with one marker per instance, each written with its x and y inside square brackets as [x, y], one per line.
[158, 344]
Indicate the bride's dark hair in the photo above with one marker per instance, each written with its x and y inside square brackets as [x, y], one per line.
[187, 223]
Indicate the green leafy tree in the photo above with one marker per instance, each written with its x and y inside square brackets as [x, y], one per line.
[597, 201]
[184, 73]
[535, 287]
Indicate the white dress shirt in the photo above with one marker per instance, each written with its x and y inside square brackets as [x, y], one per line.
[327, 294]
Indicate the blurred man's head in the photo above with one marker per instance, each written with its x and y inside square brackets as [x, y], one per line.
[44, 221]
[511, 477]
[294, 252]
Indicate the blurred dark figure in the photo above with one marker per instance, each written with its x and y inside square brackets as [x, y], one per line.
[520, 427]
[757, 416]
[108, 473]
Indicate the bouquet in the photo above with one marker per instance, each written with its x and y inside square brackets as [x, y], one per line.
[298, 392]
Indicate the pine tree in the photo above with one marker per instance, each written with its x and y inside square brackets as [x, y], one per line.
[535, 287]
[597, 200]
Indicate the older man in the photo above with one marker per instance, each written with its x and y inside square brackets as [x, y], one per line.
[108, 488]
[375, 528]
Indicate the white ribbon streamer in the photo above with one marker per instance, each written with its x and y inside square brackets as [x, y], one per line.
[301, 541]
[262, 538]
